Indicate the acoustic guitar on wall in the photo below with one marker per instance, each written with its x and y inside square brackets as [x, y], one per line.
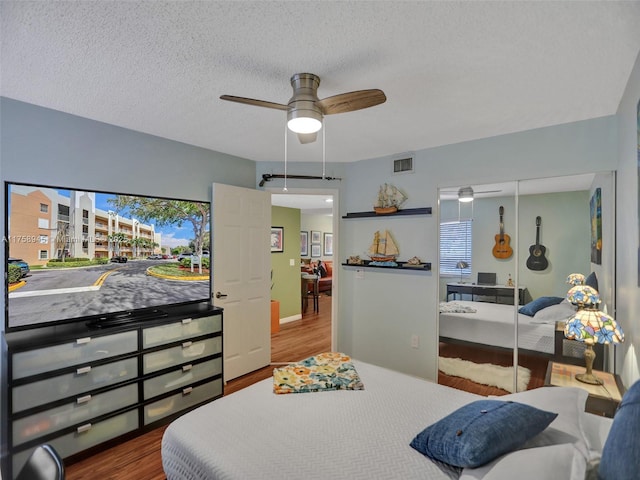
[502, 249]
[537, 261]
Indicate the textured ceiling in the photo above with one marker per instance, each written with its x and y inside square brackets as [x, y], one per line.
[452, 71]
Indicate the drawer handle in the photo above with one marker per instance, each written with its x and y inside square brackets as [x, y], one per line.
[82, 341]
[84, 428]
[186, 320]
[83, 370]
[84, 399]
[187, 344]
[186, 368]
[187, 391]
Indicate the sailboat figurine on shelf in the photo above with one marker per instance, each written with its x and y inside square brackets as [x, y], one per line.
[389, 200]
[383, 249]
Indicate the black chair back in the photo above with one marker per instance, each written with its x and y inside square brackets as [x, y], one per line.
[44, 463]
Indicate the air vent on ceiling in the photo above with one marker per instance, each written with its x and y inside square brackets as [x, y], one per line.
[403, 165]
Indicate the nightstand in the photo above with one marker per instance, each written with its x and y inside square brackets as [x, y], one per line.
[603, 399]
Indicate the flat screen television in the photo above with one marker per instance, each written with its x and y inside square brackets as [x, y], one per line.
[100, 257]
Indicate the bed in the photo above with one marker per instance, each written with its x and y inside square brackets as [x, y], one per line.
[349, 434]
[491, 324]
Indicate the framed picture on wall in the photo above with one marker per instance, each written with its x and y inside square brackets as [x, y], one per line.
[328, 244]
[277, 239]
[304, 243]
[316, 237]
[316, 250]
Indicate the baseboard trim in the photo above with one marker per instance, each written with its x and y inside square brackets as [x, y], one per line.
[292, 318]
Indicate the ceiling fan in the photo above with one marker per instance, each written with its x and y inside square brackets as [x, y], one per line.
[465, 194]
[305, 110]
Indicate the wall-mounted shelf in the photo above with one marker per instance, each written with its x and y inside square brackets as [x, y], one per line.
[423, 267]
[406, 211]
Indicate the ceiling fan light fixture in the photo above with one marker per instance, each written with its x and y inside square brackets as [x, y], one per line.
[304, 121]
[465, 195]
[304, 125]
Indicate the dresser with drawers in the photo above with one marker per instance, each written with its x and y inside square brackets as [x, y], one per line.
[78, 387]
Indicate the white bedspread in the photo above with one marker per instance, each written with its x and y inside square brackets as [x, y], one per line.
[492, 324]
[362, 434]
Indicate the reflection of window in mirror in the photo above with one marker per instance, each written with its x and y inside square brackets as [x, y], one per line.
[455, 248]
[469, 223]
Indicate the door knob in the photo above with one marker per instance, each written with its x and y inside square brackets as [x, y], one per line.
[221, 295]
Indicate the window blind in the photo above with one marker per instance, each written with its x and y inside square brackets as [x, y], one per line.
[455, 246]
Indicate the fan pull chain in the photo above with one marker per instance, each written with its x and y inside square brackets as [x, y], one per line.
[285, 158]
[324, 129]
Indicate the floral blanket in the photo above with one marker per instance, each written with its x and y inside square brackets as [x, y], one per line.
[326, 371]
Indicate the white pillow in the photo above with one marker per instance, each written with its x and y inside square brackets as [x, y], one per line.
[561, 311]
[553, 461]
[565, 449]
[568, 427]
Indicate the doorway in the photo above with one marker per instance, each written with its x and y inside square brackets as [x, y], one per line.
[319, 228]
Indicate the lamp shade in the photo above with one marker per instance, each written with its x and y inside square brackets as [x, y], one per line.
[576, 279]
[583, 295]
[592, 326]
[461, 265]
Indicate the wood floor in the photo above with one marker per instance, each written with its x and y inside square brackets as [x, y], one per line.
[139, 459]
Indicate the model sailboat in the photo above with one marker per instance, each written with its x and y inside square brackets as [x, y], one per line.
[383, 248]
[389, 199]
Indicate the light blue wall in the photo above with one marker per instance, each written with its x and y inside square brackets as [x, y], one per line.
[48, 147]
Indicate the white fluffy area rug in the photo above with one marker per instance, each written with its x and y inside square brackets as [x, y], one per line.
[485, 373]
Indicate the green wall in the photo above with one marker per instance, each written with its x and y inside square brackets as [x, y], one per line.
[286, 277]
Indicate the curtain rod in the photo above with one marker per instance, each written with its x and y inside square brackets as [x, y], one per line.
[266, 177]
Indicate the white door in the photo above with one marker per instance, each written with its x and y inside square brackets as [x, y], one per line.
[241, 220]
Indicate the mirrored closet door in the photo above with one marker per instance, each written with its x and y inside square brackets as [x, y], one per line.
[477, 271]
[505, 257]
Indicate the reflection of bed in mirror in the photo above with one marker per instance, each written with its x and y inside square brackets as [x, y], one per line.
[492, 325]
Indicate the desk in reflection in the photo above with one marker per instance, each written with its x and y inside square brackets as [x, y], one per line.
[486, 293]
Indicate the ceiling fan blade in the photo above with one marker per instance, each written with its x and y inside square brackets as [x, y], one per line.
[350, 101]
[257, 103]
[307, 137]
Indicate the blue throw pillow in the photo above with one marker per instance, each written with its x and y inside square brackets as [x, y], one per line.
[481, 431]
[538, 304]
[620, 459]
[592, 281]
